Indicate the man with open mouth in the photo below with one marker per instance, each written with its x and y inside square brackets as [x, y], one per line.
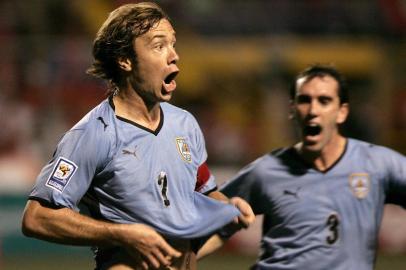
[323, 197]
[135, 164]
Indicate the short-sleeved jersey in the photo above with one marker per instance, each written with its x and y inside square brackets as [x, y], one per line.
[125, 173]
[321, 220]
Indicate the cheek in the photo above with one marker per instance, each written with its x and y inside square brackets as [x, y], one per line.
[296, 110]
[300, 114]
[336, 119]
[332, 122]
[341, 118]
[147, 76]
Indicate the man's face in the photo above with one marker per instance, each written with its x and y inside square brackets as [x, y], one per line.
[154, 73]
[318, 111]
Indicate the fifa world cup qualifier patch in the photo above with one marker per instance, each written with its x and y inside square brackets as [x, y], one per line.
[61, 174]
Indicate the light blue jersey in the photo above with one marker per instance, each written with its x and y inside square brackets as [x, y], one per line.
[125, 173]
[321, 220]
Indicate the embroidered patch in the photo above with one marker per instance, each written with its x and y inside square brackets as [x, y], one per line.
[183, 149]
[61, 174]
[360, 184]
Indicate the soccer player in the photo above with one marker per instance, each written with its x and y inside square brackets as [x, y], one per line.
[323, 197]
[135, 164]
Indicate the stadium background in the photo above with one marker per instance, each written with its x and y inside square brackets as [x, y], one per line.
[237, 60]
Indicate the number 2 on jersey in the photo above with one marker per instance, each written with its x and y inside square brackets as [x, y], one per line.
[333, 225]
[163, 184]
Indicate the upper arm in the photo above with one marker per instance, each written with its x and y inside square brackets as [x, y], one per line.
[205, 181]
[395, 176]
[66, 178]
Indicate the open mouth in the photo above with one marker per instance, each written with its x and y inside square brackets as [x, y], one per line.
[171, 77]
[169, 83]
[312, 130]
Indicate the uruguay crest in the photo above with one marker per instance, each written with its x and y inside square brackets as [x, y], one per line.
[360, 184]
[184, 149]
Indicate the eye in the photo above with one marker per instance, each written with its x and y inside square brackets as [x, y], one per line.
[159, 46]
[301, 99]
[325, 100]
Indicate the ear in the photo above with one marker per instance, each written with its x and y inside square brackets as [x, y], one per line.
[343, 113]
[125, 64]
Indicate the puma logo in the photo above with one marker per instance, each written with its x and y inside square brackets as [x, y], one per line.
[128, 152]
[102, 120]
[292, 193]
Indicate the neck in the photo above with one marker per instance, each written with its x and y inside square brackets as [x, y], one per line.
[325, 158]
[129, 105]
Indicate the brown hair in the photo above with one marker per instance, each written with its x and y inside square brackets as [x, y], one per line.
[321, 70]
[114, 40]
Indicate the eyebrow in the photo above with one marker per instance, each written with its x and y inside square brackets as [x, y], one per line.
[160, 36]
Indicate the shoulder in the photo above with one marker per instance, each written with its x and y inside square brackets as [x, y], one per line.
[279, 157]
[268, 163]
[371, 151]
[100, 120]
[180, 118]
[253, 178]
[368, 148]
[174, 111]
[103, 111]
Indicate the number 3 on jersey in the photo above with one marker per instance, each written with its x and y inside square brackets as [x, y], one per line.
[332, 224]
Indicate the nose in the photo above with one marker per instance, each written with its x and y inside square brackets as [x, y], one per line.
[314, 107]
[173, 56]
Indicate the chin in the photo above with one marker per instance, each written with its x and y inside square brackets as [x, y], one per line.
[167, 95]
[164, 95]
[166, 98]
[312, 147]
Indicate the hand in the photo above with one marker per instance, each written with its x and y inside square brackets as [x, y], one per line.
[247, 216]
[142, 239]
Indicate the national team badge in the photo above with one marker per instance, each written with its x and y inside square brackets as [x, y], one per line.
[61, 174]
[360, 184]
[183, 149]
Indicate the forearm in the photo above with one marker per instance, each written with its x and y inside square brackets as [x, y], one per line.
[217, 195]
[66, 226]
[247, 216]
[213, 244]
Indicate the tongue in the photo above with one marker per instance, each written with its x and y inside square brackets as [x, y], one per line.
[169, 87]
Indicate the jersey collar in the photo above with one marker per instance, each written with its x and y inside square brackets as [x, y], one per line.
[154, 132]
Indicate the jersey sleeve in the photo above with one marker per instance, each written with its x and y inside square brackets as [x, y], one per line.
[205, 180]
[395, 175]
[247, 185]
[67, 177]
[243, 185]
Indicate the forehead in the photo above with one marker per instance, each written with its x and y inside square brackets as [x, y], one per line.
[319, 85]
[160, 29]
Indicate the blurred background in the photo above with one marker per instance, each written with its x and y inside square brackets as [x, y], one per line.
[238, 60]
